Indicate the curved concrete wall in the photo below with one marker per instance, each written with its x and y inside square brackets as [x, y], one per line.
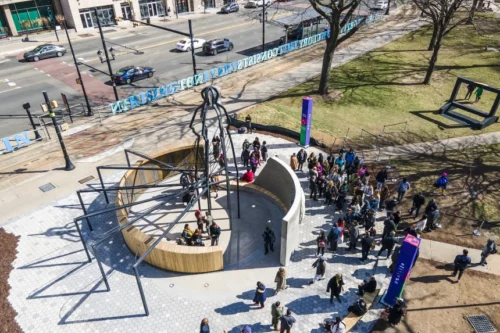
[278, 178]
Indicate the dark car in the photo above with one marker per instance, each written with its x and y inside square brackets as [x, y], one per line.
[215, 46]
[232, 7]
[44, 51]
[132, 73]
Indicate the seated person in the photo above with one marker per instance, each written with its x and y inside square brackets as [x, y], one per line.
[187, 234]
[248, 176]
[359, 308]
[181, 241]
[367, 286]
[196, 239]
[335, 326]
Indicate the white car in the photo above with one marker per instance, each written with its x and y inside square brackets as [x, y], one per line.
[257, 3]
[185, 44]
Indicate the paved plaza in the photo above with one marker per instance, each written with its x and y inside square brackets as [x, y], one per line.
[54, 288]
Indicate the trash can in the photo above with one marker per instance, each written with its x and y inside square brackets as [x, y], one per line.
[148, 20]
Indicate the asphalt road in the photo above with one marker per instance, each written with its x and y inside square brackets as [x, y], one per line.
[22, 82]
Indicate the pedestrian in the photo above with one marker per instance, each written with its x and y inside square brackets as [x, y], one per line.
[254, 161]
[442, 183]
[369, 220]
[263, 150]
[245, 145]
[204, 327]
[311, 161]
[367, 286]
[418, 202]
[403, 186]
[187, 234]
[340, 163]
[321, 185]
[389, 226]
[353, 236]
[245, 157]
[335, 287]
[302, 158]
[260, 295]
[333, 237]
[256, 144]
[367, 243]
[280, 280]
[397, 312]
[313, 187]
[381, 178]
[320, 158]
[461, 262]
[391, 206]
[470, 90]
[337, 326]
[276, 313]
[321, 243]
[432, 205]
[412, 230]
[294, 162]
[489, 248]
[214, 233]
[208, 220]
[432, 213]
[479, 93]
[388, 244]
[248, 120]
[341, 195]
[248, 176]
[329, 192]
[349, 158]
[320, 265]
[287, 322]
[269, 240]
[384, 196]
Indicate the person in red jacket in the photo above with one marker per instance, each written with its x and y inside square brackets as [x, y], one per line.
[248, 176]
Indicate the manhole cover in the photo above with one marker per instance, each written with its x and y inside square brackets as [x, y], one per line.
[481, 324]
[47, 187]
[108, 31]
[85, 35]
[86, 179]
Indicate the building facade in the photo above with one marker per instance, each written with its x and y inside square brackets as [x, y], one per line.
[19, 17]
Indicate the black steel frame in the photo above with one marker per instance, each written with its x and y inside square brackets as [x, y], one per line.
[200, 187]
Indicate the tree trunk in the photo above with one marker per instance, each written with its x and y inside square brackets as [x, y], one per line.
[432, 62]
[472, 12]
[331, 45]
[432, 42]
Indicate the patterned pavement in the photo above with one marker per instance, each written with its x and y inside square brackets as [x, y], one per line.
[54, 289]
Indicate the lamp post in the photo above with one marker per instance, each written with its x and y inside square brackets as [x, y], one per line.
[107, 57]
[263, 18]
[89, 110]
[69, 166]
[27, 106]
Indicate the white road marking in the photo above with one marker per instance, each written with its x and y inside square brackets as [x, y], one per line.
[5, 60]
[41, 71]
[1, 92]
[11, 84]
[36, 68]
[91, 75]
[82, 59]
[6, 80]
[48, 74]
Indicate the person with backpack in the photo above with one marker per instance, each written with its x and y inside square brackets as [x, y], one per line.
[367, 286]
[320, 265]
[418, 202]
[335, 287]
[269, 240]
[461, 262]
[321, 243]
[358, 308]
[490, 248]
[442, 183]
[302, 158]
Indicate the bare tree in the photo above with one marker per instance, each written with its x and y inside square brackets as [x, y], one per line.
[338, 13]
[442, 13]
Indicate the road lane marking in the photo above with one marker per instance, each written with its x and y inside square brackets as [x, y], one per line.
[41, 71]
[1, 92]
[48, 74]
[11, 84]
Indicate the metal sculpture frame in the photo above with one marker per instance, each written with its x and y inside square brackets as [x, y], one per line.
[199, 188]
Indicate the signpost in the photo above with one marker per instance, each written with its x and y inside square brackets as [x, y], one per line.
[402, 270]
[305, 122]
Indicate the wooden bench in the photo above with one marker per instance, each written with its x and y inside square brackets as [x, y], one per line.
[351, 319]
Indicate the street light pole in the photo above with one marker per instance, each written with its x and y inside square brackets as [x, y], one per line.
[69, 166]
[107, 57]
[89, 110]
[27, 106]
[263, 25]
[192, 47]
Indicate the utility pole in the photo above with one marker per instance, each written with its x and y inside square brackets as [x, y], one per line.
[89, 110]
[26, 107]
[263, 25]
[106, 53]
[192, 46]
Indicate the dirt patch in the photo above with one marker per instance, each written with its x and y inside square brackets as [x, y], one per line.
[7, 256]
[435, 304]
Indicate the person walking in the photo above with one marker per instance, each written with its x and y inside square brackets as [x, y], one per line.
[287, 322]
[269, 240]
[333, 237]
[214, 233]
[381, 178]
[353, 236]
[391, 206]
[302, 158]
[321, 243]
[461, 262]
[489, 248]
[403, 187]
[367, 286]
[204, 326]
[418, 202]
[276, 313]
[384, 196]
[389, 226]
[479, 93]
[260, 295]
[263, 151]
[388, 244]
[313, 187]
[280, 280]
[470, 90]
[248, 121]
[442, 183]
[366, 246]
[320, 265]
[335, 287]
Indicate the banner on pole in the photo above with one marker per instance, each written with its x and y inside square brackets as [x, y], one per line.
[305, 122]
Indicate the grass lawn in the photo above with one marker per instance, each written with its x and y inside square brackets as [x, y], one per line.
[473, 194]
[384, 87]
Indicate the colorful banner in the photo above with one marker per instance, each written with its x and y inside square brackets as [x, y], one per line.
[306, 120]
[402, 270]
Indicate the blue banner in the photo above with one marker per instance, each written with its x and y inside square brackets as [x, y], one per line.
[305, 122]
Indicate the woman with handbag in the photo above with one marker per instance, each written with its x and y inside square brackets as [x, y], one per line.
[321, 243]
[280, 280]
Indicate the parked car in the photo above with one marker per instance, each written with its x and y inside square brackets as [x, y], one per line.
[233, 7]
[215, 46]
[132, 73]
[379, 4]
[44, 51]
[257, 3]
[185, 44]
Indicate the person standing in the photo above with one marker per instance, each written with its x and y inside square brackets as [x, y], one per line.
[269, 240]
[442, 183]
[280, 280]
[302, 158]
[245, 156]
[403, 186]
[320, 265]
[384, 195]
[381, 178]
[204, 327]
[321, 243]
[490, 248]
[387, 244]
[397, 312]
[260, 295]
[263, 150]
[366, 246]
[333, 237]
[294, 162]
[287, 322]
[391, 206]
[353, 236]
[418, 202]
[479, 93]
[389, 226]
[470, 90]
[276, 313]
[335, 287]
[248, 120]
[214, 233]
[461, 262]
[349, 158]
[313, 187]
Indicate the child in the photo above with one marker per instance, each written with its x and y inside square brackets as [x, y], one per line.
[263, 151]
